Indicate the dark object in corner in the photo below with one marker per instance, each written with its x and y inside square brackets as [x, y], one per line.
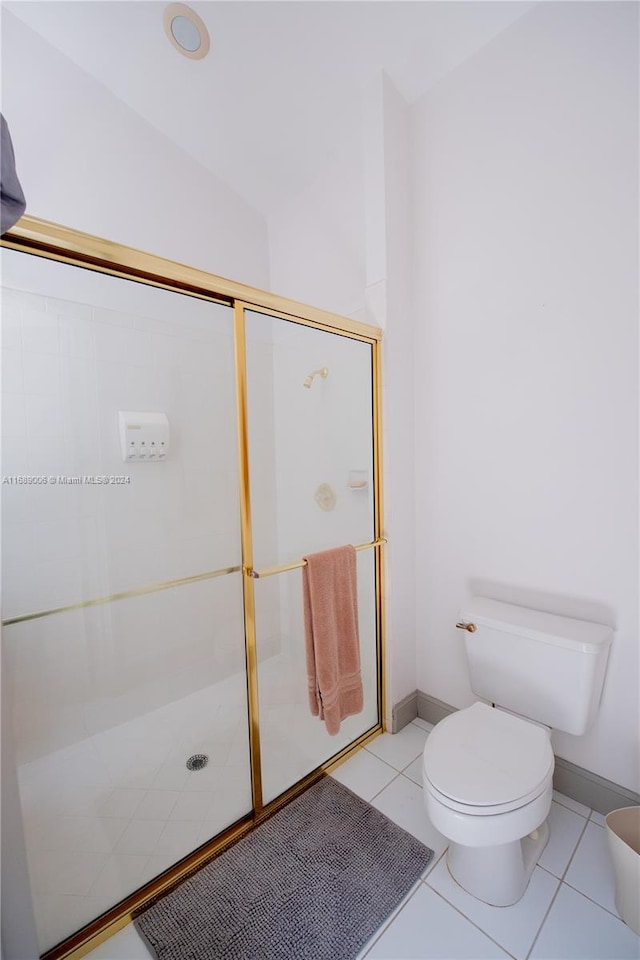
[11, 195]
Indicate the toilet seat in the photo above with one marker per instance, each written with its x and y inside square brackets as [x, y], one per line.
[485, 811]
[483, 761]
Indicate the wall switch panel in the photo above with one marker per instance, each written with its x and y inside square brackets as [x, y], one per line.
[144, 436]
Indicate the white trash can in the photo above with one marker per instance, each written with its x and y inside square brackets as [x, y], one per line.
[623, 832]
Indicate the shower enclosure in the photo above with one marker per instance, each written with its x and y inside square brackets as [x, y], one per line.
[152, 631]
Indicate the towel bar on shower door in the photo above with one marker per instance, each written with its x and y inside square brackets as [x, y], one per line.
[257, 575]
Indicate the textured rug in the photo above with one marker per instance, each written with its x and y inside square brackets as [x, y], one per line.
[313, 882]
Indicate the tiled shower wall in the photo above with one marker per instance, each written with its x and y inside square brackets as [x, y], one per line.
[68, 367]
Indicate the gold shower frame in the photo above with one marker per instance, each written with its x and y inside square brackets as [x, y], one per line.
[53, 241]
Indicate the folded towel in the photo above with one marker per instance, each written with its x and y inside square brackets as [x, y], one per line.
[330, 598]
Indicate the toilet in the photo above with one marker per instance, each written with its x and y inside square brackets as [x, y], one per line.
[487, 770]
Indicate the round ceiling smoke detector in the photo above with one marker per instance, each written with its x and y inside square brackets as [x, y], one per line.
[186, 31]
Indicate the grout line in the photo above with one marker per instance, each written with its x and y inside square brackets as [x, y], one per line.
[372, 754]
[432, 866]
[595, 902]
[561, 879]
[402, 769]
[544, 919]
[394, 916]
[575, 849]
[558, 880]
[472, 922]
[397, 774]
[406, 767]
[413, 759]
[419, 725]
[567, 807]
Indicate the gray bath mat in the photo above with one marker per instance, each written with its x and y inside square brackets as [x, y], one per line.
[314, 882]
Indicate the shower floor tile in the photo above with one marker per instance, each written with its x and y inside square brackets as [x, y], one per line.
[156, 805]
[120, 803]
[120, 874]
[105, 816]
[140, 837]
[58, 872]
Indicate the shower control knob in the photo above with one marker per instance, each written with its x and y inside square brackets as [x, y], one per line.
[471, 627]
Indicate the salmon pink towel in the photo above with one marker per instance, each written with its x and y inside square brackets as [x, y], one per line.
[332, 645]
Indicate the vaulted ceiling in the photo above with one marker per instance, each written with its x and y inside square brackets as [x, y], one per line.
[283, 81]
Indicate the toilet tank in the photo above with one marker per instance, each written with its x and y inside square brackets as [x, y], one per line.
[540, 665]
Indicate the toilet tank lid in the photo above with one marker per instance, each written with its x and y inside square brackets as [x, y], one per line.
[579, 635]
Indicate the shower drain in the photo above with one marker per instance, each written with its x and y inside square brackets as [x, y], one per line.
[197, 761]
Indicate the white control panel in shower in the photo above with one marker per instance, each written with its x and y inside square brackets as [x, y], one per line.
[144, 436]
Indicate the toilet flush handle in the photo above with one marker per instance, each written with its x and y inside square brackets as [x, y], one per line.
[471, 627]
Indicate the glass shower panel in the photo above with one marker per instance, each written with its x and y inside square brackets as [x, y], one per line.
[112, 699]
[310, 417]
[293, 742]
[310, 439]
[108, 705]
[79, 347]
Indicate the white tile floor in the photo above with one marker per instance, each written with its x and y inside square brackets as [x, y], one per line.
[567, 912]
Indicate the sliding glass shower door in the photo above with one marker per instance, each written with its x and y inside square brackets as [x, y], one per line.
[173, 446]
[311, 457]
[123, 626]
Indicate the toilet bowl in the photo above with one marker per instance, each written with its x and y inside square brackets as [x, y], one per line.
[487, 771]
[487, 778]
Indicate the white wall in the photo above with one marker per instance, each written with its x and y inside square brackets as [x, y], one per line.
[396, 290]
[316, 239]
[526, 270]
[88, 161]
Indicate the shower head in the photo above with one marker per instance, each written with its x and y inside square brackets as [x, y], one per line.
[322, 372]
